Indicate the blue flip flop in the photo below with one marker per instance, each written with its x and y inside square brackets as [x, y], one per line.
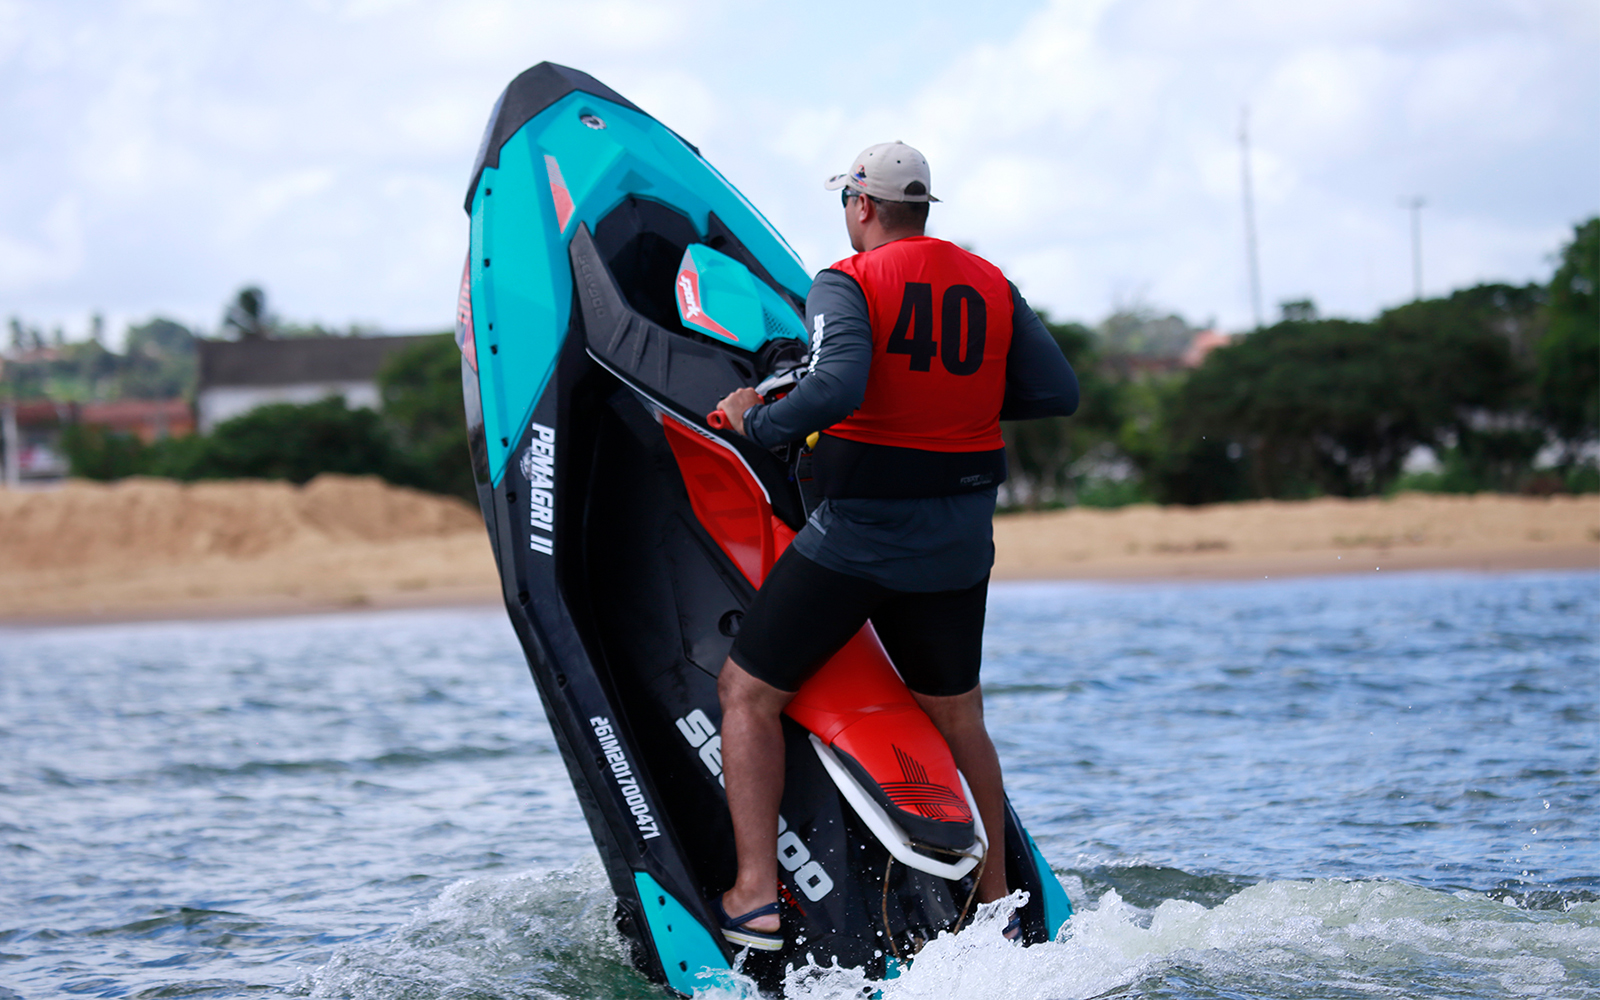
[734, 930]
[1013, 928]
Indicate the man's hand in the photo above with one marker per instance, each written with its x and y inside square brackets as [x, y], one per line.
[735, 405]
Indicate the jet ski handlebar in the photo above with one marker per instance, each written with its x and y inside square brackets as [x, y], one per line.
[774, 387]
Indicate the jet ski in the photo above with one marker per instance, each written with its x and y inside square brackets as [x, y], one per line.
[616, 287]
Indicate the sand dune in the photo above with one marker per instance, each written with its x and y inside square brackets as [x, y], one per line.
[145, 547]
[152, 548]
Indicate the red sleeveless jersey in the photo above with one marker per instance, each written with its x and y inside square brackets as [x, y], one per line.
[941, 327]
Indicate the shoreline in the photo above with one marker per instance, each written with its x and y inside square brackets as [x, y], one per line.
[158, 551]
[1223, 568]
[1492, 563]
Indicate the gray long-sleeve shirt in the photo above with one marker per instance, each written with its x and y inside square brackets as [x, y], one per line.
[920, 545]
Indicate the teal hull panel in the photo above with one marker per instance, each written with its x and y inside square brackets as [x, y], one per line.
[689, 956]
[1057, 907]
[554, 173]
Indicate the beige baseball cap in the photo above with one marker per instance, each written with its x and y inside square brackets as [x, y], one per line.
[889, 171]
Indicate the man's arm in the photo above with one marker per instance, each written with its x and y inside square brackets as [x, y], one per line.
[1039, 380]
[841, 355]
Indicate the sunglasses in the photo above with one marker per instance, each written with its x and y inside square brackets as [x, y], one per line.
[847, 194]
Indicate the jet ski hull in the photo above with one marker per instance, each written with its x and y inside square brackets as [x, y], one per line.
[630, 537]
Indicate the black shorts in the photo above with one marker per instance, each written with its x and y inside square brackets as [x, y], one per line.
[804, 613]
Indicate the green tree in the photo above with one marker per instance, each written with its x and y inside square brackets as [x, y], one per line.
[286, 441]
[422, 403]
[1042, 453]
[1490, 437]
[1567, 383]
[1329, 406]
[1176, 466]
[96, 453]
[1139, 331]
[247, 314]
[160, 362]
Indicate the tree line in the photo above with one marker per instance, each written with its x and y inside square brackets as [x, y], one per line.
[1501, 382]
[157, 362]
[417, 438]
[158, 359]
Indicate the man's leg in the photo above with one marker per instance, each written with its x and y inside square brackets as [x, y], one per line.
[801, 616]
[752, 767]
[959, 718]
[936, 641]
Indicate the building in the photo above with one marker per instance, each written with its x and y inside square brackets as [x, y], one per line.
[149, 420]
[236, 376]
[30, 441]
[1203, 344]
[31, 432]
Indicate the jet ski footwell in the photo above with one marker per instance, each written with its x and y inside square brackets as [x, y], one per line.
[630, 537]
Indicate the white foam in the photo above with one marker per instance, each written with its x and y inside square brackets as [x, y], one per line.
[1287, 938]
[550, 935]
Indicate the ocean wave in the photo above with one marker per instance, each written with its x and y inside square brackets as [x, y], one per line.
[531, 935]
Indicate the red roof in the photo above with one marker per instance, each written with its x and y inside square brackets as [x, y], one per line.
[148, 418]
[127, 413]
[1204, 343]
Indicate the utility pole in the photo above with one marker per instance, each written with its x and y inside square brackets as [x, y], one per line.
[11, 441]
[1415, 204]
[1249, 215]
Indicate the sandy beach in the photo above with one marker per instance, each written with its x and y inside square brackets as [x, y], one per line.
[1413, 531]
[145, 548]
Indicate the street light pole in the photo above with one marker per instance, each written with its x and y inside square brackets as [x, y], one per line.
[12, 443]
[1249, 215]
[1415, 204]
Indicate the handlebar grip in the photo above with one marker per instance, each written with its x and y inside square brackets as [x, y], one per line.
[716, 418]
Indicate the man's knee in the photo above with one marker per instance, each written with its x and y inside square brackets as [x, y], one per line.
[741, 691]
[954, 713]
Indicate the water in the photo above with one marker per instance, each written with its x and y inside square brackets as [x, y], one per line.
[1380, 787]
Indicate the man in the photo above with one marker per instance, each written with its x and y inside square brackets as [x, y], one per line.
[918, 349]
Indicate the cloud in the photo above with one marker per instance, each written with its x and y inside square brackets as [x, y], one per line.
[161, 154]
[1098, 148]
[50, 256]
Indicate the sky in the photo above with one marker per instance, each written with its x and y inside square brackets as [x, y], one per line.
[157, 155]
